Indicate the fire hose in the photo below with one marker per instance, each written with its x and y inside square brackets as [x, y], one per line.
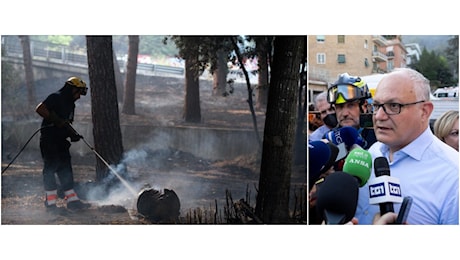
[23, 147]
[74, 132]
[102, 159]
[151, 203]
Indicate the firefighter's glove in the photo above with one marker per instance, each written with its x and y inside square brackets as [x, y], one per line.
[75, 137]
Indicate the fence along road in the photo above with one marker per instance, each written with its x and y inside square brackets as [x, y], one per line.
[44, 51]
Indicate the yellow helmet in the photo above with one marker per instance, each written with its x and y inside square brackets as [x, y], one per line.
[348, 88]
[78, 83]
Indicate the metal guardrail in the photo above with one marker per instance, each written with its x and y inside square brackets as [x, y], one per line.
[147, 67]
[11, 47]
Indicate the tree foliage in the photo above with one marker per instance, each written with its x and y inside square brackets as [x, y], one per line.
[435, 68]
[452, 55]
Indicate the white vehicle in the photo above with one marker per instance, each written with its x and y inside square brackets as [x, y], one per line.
[450, 92]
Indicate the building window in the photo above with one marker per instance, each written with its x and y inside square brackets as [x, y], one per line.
[375, 68]
[365, 44]
[390, 65]
[341, 38]
[366, 63]
[320, 38]
[321, 58]
[341, 58]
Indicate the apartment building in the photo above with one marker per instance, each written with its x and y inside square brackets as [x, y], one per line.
[358, 55]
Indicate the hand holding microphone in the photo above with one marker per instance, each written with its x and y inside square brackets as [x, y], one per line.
[392, 218]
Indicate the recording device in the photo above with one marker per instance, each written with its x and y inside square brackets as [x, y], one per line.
[332, 158]
[345, 138]
[318, 155]
[358, 164]
[347, 135]
[404, 210]
[365, 120]
[338, 198]
[384, 189]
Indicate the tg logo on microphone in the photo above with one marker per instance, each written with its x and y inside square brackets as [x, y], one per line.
[378, 189]
[384, 189]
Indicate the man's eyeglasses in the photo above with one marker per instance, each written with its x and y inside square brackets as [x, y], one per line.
[392, 108]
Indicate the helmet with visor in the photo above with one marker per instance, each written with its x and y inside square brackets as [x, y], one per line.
[347, 89]
[78, 83]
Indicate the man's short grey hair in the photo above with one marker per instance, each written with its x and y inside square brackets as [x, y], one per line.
[421, 84]
[320, 97]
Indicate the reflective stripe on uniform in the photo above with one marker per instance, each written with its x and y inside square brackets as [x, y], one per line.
[70, 195]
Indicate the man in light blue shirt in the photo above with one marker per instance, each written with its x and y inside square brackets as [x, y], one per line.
[426, 167]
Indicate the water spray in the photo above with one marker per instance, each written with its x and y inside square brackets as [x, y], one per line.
[105, 162]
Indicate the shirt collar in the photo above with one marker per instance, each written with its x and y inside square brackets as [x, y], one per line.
[414, 149]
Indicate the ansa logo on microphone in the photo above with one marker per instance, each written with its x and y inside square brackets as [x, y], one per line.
[378, 189]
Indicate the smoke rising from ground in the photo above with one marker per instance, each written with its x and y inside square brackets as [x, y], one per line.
[149, 165]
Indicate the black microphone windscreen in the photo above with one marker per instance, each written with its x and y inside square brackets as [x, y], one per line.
[337, 198]
[332, 158]
[318, 155]
[381, 166]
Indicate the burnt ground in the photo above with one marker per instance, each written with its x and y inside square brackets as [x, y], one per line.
[205, 188]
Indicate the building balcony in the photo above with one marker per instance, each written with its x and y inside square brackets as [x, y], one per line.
[379, 57]
[379, 39]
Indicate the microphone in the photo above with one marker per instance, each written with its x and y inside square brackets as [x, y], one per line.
[347, 134]
[332, 158]
[345, 138]
[384, 189]
[358, 164]
[337, 198]
[318, 155]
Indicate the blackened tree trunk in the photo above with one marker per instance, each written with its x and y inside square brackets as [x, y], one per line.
[130, 80]
[104, 104]
[264, 48]
[300, 136]
[192, 109]
[29, 74]
[272, 204]
[249, 88]
[118, 78]
[219, 84]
